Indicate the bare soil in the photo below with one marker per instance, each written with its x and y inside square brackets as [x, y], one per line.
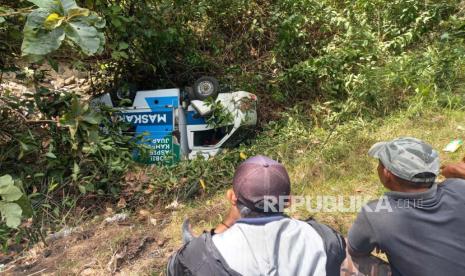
[129, 247]
[138, 245]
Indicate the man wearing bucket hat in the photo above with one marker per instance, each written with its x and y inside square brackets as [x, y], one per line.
[419, 224]
[256, 238]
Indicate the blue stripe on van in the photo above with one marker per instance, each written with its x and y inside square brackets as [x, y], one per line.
[157, 103]
[195, 121]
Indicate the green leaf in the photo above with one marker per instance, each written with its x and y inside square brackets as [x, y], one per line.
[119, 55]
[25, 205]
[8, 190]
[36, 19]
[123, 46]
[82, 189]
[43, 42]
[76, 171]
[90, 187]
[56, 211]
[39, 41]
[72, 131]
[51, 155]
[116, 22]
[46, 4]
[56, 20]
[75, 12]
[23, 146]
[68, 5]
[6, 180]
[96, 21]
[11, 212]
[85, 36]
[76, 107]
[93, 135]
[10, 193]
[91, 118]
[2, 19]
[107, 147]
[52, 187]
[88, 149]
[53, 63]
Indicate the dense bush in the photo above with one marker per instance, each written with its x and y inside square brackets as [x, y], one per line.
[61, 150]
[291, 51]
[286, 51]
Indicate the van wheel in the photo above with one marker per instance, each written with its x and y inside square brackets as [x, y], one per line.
[206, 87]
[124, 95]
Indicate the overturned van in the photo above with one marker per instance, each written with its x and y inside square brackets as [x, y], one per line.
[173, 123]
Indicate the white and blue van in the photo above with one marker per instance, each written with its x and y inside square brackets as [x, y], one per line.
[174, 122]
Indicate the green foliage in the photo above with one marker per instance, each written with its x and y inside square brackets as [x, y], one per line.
[10, 210]
[220, 116]
[286, 51]
[282, 140]
[71, 153]
[11, 32]
[56, 21]
[184, 181]
[328, 53]
[82, 122]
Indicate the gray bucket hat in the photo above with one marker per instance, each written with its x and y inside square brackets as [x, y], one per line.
[407, 157]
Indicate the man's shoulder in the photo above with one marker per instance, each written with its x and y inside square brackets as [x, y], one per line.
[455, 184]
[383, 204]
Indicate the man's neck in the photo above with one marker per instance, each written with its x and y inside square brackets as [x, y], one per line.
[409, 190]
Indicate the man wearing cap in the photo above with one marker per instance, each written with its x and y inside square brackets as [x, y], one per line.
[421, 224]
[256, 238]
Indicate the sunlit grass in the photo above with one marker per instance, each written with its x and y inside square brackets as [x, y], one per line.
[341, 168]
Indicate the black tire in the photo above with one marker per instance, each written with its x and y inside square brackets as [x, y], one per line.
[206, 87]
[124, 95]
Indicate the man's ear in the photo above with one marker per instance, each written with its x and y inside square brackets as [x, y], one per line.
[231, 196]
[389, 176]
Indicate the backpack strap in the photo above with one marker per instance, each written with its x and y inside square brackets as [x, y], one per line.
[199, 257]
[335, 246]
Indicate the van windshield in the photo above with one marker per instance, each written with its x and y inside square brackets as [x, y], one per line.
[210, 137]
[242, 133]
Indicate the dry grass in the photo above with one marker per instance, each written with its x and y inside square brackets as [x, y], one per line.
[354, 174]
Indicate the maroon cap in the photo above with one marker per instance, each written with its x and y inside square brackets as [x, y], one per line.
[259, 177]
